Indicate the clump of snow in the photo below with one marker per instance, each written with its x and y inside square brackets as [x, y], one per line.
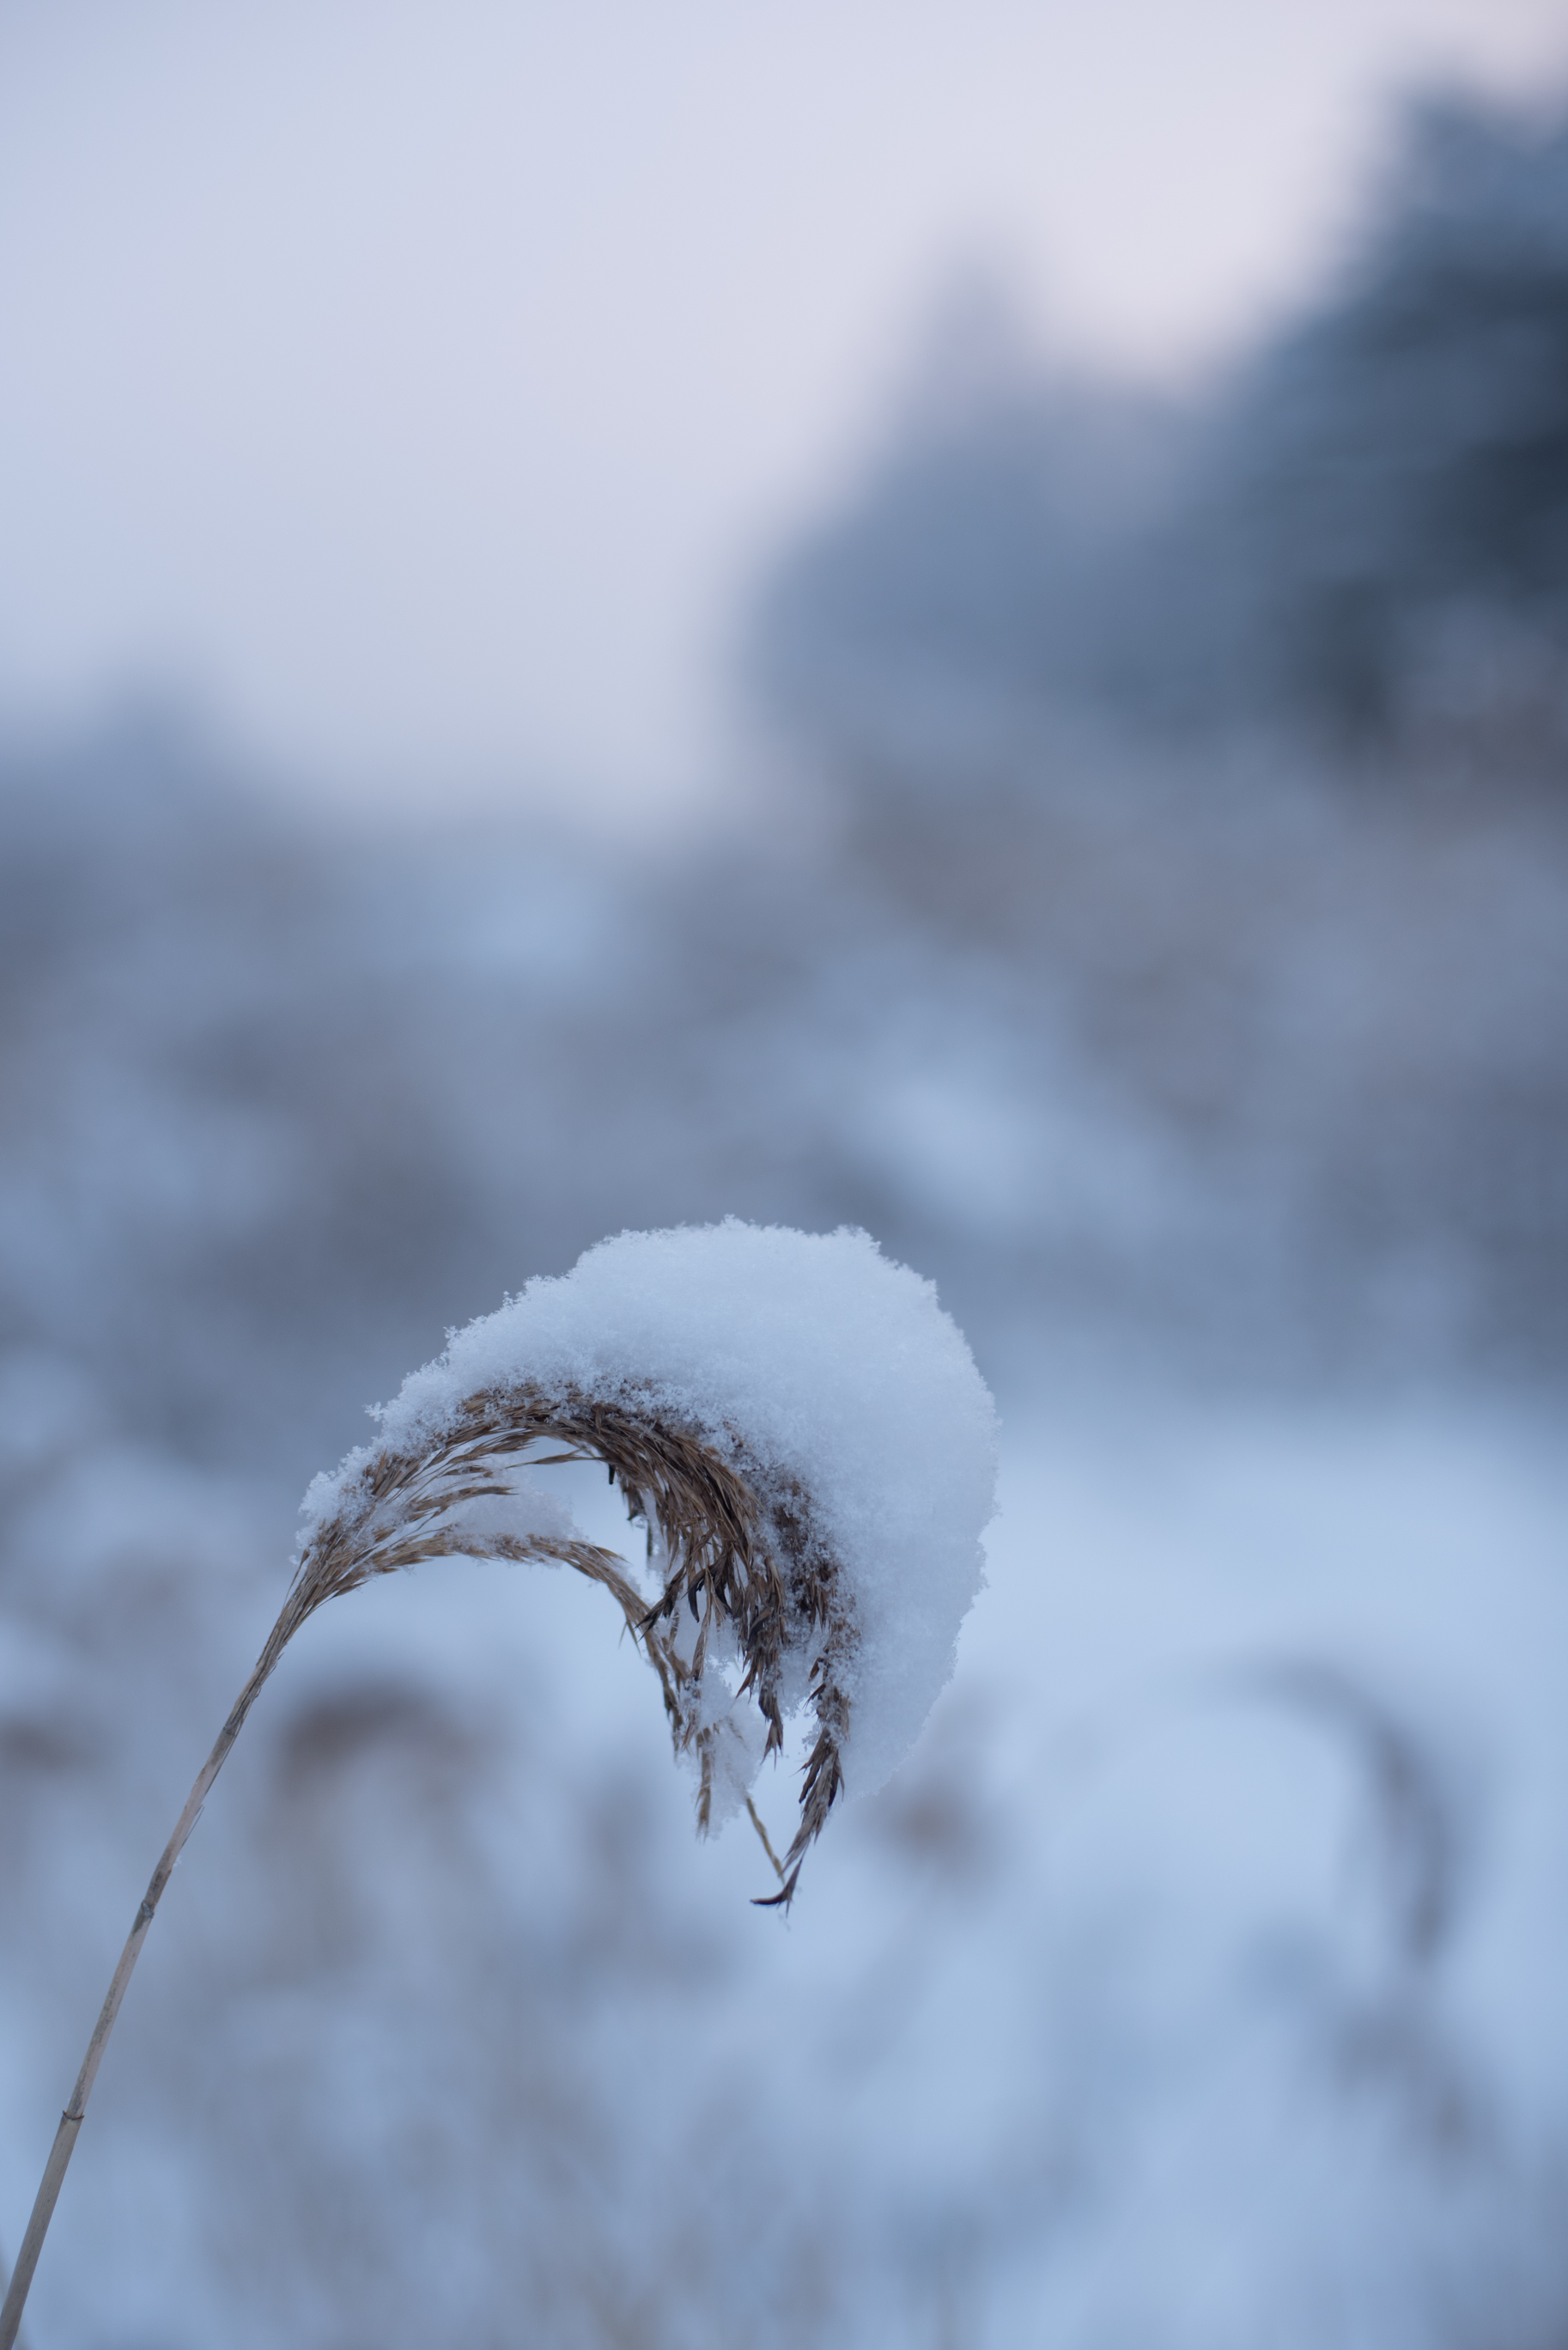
[824, 1362]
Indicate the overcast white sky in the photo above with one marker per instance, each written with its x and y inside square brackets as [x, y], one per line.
[420, 383]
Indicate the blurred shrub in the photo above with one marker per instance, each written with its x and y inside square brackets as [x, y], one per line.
[1238, 735]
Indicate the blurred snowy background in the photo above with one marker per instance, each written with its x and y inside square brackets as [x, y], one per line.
[951, 620]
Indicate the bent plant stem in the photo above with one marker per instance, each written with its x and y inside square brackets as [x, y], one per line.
[729, 1556]
[75, 2113]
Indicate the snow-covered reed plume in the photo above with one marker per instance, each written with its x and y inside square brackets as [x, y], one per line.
[804, 1434]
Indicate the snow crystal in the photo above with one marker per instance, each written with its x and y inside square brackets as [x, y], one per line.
[828, 1362]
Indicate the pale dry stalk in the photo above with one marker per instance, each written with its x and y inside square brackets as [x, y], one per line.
[740, 1549]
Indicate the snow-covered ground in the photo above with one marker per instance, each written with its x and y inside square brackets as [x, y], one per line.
[1194, 1982]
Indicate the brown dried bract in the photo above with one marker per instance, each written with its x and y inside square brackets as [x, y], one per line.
[739, 1547]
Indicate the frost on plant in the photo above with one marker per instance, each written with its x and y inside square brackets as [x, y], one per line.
[802, 1430]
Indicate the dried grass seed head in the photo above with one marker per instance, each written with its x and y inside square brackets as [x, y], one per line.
[802, 1429]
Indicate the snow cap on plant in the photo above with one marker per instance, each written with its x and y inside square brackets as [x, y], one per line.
[802, 1431]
